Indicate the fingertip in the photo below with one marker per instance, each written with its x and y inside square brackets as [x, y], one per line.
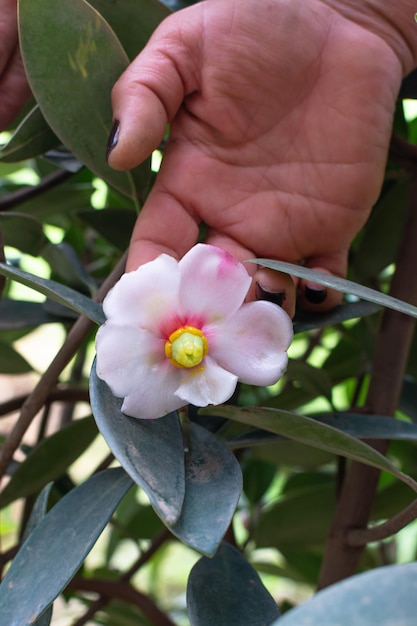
[313, 296]
[277, 288]
[139, 125]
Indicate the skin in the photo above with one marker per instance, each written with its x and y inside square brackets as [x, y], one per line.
[13, 85]
[280, 126]
[280, 122]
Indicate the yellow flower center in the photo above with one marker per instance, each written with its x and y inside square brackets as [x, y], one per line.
[186, 347]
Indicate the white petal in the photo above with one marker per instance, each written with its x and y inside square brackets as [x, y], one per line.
[252, 344]
[213, 283]
[155, 394]
[147, 297]
[126, 355]
[206, 384]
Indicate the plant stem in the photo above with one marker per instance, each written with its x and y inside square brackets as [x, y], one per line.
[394, 340]
[122, 590]
[27, 193]
[362, 536]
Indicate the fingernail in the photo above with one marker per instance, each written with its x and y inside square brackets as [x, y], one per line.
[316, 294]
[113, 138]
[276, 297]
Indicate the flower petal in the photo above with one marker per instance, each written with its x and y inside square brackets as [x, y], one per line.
[213, 283]
[252, 343]
[148, 297]
[126, 355]
[155, 395]
[206, 384]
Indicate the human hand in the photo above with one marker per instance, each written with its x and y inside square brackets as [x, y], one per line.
[280, 124]
[14, 88]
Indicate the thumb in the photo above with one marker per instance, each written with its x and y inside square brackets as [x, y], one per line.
[149, 93]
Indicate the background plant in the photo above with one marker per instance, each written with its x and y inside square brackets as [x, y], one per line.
[229, 515]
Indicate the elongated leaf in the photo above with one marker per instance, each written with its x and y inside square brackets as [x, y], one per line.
[308, 321]
[369, 426]
[31, 138]
[56, 548]
[151, 451]
[213, 484]
[60, 293]
[38, 511]
[384, 596]
[72, 59]
[381, 234]
[115, 225]
[22, 232]
[23, 314]
[340, 284]
[132, 22]
[49, 460]
[67, 267]
[354, 424]
[36, 516]
[283, 524]
[226, 590]
[306, 430]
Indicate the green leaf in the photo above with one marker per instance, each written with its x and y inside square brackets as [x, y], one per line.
[39, 510]
[312, 379]
[49, 460]
[226, 590]
[381, 235]
[307, 430]
[23, 314]
[340, 284]
[115, 225]
[22, 232]
[67, 267]
[213, 484]
[132, 22]
[54, 551]
[11, 362]
[306, 320]
[60, 293]
[283, 524]
[257, 478]
[72, 59]
[36, 516]
[151, 451]
[31, 138]
[384, 596]
[369, 426]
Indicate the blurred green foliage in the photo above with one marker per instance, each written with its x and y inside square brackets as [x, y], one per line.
[265, 480]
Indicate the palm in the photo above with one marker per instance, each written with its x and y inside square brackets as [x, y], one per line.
[280, 145]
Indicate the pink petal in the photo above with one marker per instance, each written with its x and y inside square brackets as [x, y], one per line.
[126, 355]
[155, 393]
[252, 344]
[206, 384]
[213, 283]
[148, 297]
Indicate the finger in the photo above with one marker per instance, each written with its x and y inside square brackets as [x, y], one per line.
[8, 32]
[150, 92]
[313, 296]
[15, 90]
[267, 284]
[276, 287]
[163, 226]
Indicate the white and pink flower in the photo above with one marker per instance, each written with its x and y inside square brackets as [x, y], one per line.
[180, 332]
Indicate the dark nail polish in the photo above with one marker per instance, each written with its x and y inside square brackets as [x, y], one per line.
[113, 138]
[276, 297]
[315, 295]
